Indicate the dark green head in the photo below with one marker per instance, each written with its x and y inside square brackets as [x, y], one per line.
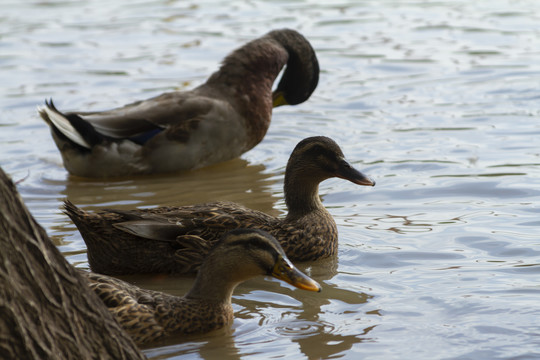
[301, 74]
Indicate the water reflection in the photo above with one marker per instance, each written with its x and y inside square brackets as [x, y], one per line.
[234, 180]
[217, 345]
[438, 98]
[319, 338]
[310, 323]
[326, 344]
[266, 311]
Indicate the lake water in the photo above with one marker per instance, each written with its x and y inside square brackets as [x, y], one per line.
[438, 101]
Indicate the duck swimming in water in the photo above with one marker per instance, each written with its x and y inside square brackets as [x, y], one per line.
[177, 239]
[240, 255]
[219, 120]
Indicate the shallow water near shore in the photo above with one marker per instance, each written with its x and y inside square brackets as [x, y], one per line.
[436, 101]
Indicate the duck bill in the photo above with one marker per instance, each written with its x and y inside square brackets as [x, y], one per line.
[284, 270]
[347, 172]
[278, 99]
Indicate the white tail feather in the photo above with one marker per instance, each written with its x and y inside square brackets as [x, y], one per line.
[64, 126]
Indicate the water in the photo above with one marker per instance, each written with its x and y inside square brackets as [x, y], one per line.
[436, 100]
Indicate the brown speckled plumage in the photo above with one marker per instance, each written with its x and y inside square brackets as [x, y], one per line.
[177, 239]
[149, 315]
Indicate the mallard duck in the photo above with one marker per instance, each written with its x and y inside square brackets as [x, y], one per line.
[240, 255]
[217, 121]
[176, 239]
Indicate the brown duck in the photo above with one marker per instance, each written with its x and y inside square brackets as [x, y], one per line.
[217, 121]
[241, 254]
[177, 239]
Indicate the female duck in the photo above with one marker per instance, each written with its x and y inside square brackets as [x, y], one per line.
[217, 121]
[177, 239]
[241, 254]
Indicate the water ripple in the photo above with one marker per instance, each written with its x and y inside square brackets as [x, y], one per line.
[436, 100]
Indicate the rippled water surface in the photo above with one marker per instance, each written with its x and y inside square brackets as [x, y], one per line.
[438, 101]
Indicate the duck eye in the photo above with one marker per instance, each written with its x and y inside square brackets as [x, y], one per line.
[345, 164]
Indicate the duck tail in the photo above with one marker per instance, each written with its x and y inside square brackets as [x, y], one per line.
[71, 210]
[69, 126]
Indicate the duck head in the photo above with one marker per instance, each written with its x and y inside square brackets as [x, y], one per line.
[242, 254]
[301, 74]
[318, 158]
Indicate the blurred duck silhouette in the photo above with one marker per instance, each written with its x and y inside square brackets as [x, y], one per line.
[217, 121]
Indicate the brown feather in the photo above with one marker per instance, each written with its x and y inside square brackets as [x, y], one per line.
[149, 315]
[217, 121]
[308, 232]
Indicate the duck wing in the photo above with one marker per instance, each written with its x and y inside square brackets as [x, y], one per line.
[190, 231]
[177, 113]
[137, 310]
[205, 221]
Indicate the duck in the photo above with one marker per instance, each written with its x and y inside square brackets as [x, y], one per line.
[241, 254]
[176, 239]
[181, 130]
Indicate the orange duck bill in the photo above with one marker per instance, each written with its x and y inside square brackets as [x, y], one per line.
[286, 271]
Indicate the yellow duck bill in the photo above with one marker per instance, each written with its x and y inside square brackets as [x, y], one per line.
[286, 271]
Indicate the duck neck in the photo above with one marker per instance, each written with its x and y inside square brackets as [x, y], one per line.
[251, 66]
[246, 76]
[301, 195]
[212, 285]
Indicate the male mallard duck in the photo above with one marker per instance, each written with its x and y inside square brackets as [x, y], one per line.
[176, 239]
[240, 255]
[217, 121]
